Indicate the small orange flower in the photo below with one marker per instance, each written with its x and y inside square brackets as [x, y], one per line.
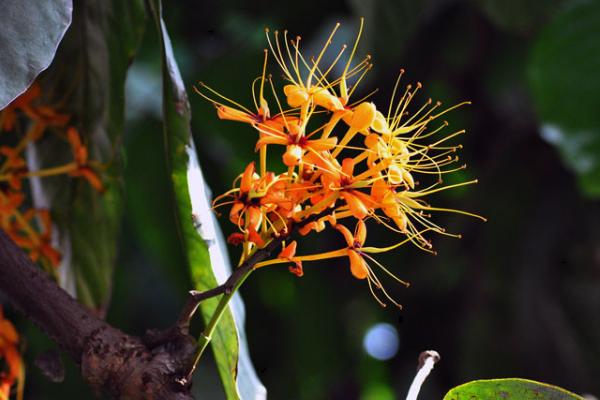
[80, 154]
[42, 247]
[288, 253]
[342, 182]
[358, 265]
[9, 353]
[10, 202]
[297, 144]
[8, 116]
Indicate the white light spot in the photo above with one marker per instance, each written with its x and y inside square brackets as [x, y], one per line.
[381, 341]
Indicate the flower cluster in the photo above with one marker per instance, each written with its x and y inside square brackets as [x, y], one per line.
[342, 159]
[29, 119]
[12, 373]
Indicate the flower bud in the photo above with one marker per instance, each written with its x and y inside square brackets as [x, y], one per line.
[363, 116]
[292, 155]
[296, 96]
[323, 98]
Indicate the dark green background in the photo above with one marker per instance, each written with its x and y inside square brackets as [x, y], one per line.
[516, 296]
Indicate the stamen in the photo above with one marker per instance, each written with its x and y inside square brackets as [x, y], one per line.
[325, 46]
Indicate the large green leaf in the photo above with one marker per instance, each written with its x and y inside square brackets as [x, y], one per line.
[564, 80]
[89, 75]
[29, 36]
[507, 389]
[199, 231]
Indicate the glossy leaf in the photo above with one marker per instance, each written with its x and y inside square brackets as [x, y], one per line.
[89, 77]
[29, 36]
[564, 80]
[511, 388]
[201, 238]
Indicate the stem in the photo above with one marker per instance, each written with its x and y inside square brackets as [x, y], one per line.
[345, 140]
[229, 288]
[33, 131]
[427, 360]
[192, 305]
[206, 335]
[309, 257]
[61, 169]
[263, 161]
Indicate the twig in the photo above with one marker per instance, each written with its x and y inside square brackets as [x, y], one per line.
[196, 297]
[228, 289]
[193, 301]
[427, 360]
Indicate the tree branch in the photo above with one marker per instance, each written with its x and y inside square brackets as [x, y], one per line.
[31, 291]
[124, 366]
[111, 361]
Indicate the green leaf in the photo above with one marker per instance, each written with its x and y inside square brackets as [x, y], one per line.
[199, 231]
[564, 81]
[510, 388]
[29, 36]
[88, 75]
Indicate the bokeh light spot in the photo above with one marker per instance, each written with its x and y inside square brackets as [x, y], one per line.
[381, 341]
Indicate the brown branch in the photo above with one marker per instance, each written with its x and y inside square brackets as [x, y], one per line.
[193, 301]
[111, 361]
[31, 291]
[124, 366]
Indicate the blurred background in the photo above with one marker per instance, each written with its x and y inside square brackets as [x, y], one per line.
[518, 296]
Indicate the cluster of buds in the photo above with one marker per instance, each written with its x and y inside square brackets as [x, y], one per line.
[29, 120]
[343, 160]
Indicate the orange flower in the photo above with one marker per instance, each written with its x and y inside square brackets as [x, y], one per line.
[327, 174]
[10, 202]
[297, 144]
[288, 253]
[340, 181]
[237, 112]
[8, 116]
[13, 158]
[255, 205]
[80, 154]
[357, 254]
[358, 266]
[9, 353]
[14, 165]
[246, 208]
[46, 116]
[42, 247]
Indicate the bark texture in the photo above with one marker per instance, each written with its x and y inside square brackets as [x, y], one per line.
[123, 366]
